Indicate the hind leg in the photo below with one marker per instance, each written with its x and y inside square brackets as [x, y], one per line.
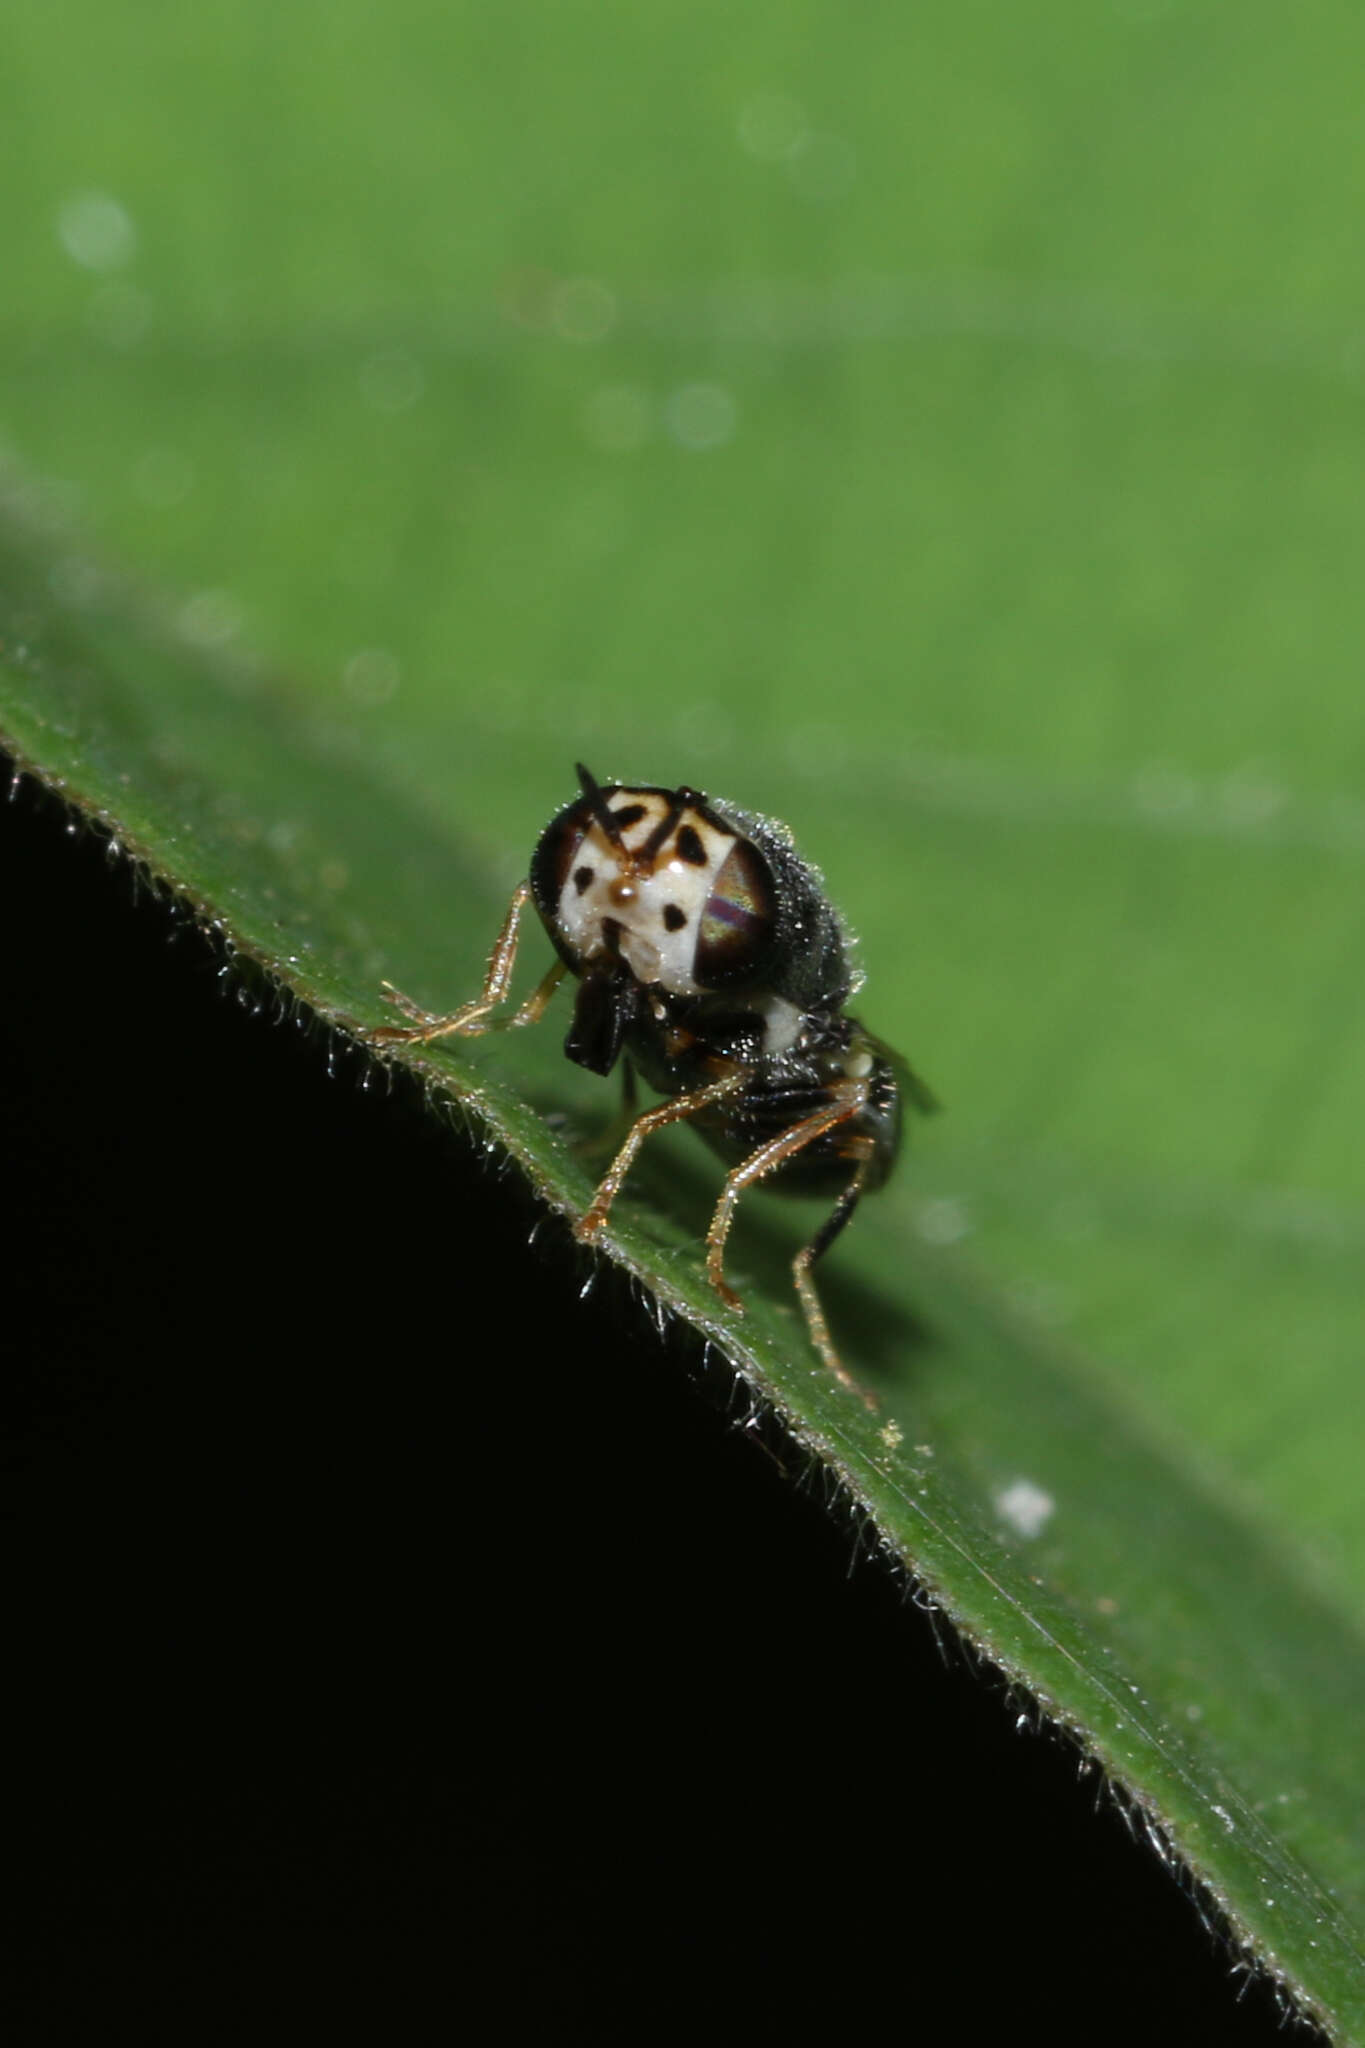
[805, 1286]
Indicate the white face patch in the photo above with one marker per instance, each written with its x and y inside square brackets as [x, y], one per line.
[657, 915]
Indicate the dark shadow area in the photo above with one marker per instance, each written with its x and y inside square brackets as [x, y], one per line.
[395, 1632]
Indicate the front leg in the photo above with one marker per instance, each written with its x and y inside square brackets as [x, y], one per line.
[468, 1021]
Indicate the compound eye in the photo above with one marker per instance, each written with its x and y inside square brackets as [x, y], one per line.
[556, 865]
[740, 919]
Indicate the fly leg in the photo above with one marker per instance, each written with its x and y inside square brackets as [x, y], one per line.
[757, 1166]
[681, 1106]
[847, 1104]
[468, 1021]
[604, 1144]
[805, 1285]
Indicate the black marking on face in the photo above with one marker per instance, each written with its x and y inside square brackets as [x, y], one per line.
[688, 847]
[663, 831]
[582, 878]
[675, 917]
[628, 815]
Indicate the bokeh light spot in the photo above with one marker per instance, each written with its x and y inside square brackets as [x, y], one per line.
[701, 416]
[96, 231]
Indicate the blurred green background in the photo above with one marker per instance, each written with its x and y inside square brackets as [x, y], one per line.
[940, 427]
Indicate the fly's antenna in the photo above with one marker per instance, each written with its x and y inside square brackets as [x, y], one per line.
[592, 790]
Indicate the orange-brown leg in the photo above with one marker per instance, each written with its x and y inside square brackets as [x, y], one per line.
[805, 1286]
[537, 1003]
[757, 1167]
[654, 1119]
[468, 1021]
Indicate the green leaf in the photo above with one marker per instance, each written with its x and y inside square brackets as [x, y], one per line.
[945, 440]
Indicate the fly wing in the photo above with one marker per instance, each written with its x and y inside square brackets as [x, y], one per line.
[916, 1091]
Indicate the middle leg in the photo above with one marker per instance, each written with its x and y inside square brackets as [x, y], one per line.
[681, 1106]
[846, 1104]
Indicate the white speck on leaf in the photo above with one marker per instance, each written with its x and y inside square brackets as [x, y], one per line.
[1026, 1507]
